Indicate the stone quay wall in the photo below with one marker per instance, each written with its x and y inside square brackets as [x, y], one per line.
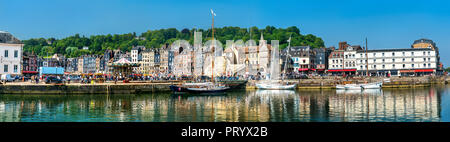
[152, 87]
[84, 89]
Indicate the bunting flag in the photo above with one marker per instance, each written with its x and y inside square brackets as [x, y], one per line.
[212, 12]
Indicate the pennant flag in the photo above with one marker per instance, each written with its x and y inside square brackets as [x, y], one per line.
[212, 12]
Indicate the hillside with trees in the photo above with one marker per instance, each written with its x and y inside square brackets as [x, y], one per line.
[72, 46]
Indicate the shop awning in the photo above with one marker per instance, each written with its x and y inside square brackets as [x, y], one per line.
[30, 72]
[342, 70]
[302, 69]
[418, 70]
[424, 70]
[306, 69]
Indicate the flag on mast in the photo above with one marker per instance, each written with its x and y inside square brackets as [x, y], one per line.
[212, 12]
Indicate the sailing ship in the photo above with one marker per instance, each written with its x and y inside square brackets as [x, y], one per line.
[272, 84]
[208, 87]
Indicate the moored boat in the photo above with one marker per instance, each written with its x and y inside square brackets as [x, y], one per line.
[353, 87]
[340, 87]
[377, 85]
[183, 88]
[208, 89]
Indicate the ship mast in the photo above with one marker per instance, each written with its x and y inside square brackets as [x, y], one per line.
[213, 44]
[286, 61]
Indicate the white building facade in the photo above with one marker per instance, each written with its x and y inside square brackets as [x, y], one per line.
[344, 60]
[397, 62]
[10, 58]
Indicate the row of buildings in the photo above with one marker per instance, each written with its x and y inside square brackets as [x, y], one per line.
[236, 60]
[421, 59]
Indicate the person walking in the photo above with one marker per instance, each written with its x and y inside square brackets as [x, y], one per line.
[68, 79]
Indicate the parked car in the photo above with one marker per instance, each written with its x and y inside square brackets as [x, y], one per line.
[52, 79]
[7, 78]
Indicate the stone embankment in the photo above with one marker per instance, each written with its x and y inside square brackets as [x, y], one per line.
[152, 87]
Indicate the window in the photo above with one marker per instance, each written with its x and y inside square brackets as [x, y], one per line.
[424, 65]
[374, 54]
[383, 66]
[412, 59]
[360, 55]
[429, 59]
[15, 68]
[382, 54]
[429, 65]
[429, 53]
[412, 65]
[374, 60]
[361, 67]
[403, 59]
[16, 53]
[393, 60]
[403, 53]
[393, 53]
[404, 65]
[412, 53]
[393, 65]
[424, 59]
[5, 68]
[423, 52]
[383, 60]
[6, 54]
[374, 66]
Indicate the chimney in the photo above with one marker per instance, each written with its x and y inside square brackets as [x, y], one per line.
[342, 45]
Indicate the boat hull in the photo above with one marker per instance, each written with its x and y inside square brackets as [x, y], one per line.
[372, 86]
[353, 87]
[340, 87]
[178, 89]
[208, 91]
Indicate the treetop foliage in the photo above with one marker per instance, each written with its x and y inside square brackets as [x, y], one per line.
[72, 46]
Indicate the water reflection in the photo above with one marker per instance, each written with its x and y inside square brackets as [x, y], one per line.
[420, 104]
[360, 92]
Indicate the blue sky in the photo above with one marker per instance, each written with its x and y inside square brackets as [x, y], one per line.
[386, 23]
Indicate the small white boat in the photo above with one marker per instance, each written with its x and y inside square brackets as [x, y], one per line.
[353, 87]
[372, 85]
[275, 86]
[340, 87]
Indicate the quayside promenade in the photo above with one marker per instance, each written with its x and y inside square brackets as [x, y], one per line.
[161, 86]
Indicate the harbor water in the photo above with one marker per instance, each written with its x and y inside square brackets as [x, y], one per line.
[429, 104]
